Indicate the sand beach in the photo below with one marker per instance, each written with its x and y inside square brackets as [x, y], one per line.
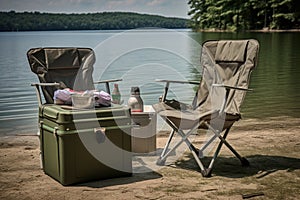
[271, 145]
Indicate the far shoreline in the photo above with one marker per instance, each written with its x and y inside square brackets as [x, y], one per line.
[247, 31]
[153, 28]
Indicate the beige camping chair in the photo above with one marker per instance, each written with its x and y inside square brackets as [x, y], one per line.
[227, 65]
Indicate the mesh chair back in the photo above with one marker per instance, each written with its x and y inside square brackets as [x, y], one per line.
[227, 62]
[72, 67]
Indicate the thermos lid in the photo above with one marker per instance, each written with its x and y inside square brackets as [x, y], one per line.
[135, 90]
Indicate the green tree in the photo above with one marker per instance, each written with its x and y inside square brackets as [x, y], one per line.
[239, 15]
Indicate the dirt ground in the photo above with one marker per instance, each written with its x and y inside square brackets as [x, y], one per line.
[272, 147]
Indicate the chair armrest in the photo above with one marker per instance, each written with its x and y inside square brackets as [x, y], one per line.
[173, 81]
[38, 92]
[107, 83]
[45, 84]
[231, 87]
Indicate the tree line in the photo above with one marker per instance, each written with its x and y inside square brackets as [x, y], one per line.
[239, 15]
[36, 21]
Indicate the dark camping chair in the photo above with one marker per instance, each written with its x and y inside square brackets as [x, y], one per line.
[63, 67]
[73, 138]
[227, 65]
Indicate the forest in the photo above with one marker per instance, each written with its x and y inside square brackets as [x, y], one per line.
[36, 21]
[239, 15]
[229, 15]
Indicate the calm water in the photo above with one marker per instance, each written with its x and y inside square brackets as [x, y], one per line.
[140, 57]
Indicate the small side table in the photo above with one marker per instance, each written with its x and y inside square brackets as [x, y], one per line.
[144, 130]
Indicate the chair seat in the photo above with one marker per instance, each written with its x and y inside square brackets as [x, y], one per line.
[185, 119]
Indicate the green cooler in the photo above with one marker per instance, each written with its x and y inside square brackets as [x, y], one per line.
[84, 145]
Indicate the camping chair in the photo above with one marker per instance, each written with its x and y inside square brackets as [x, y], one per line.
[63, 67]
[73, 138]
[227, 65]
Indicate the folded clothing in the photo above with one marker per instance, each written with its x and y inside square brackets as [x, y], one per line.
[64, 96]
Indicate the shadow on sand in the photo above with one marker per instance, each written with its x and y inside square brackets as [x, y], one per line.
[260, 165]
[136, 177]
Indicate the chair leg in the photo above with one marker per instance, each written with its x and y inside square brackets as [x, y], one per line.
[200, 164]
[161, 161]
[195, 152]
[168, 143]
[188, 143]
[218, 149]
[206, 145]
[165, 153]
[243, 160]
[206, 172]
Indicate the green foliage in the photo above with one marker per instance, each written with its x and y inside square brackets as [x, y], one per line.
[35, 21]
[239, 15]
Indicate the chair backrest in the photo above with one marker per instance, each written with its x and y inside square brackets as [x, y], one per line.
[227, 62]
[72, 67]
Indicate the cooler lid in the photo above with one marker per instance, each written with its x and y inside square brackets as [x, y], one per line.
[64, 114]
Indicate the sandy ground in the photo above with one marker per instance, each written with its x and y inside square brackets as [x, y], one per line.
[272, 147]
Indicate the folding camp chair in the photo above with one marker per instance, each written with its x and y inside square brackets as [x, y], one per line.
[72, 65]
[227, 65]
[78, 143]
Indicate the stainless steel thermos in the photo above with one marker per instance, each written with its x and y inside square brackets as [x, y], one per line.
[135, 102]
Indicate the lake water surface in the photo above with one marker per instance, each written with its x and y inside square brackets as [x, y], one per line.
[140, 57]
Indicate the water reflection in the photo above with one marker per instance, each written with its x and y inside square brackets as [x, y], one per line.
[275, 82]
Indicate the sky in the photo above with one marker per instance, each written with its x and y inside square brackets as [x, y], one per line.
[169, 8]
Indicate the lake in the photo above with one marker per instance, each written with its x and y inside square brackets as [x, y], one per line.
[141, 56]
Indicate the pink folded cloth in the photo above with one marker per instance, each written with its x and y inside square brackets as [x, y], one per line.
[102, 98]
[65, 96]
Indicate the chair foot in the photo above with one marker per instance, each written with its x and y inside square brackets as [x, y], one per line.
[245, 162]
[206, 172]
[161, 162]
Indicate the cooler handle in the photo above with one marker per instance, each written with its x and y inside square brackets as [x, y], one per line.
[100, 135]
